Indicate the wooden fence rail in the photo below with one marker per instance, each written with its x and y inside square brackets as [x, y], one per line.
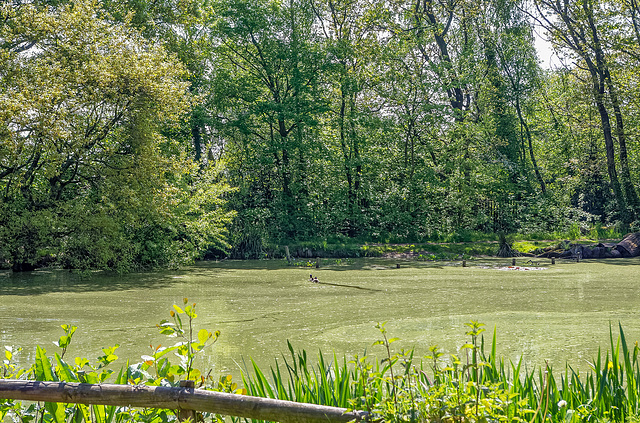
[176, 399]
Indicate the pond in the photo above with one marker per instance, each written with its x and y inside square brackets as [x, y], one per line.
[559, 313]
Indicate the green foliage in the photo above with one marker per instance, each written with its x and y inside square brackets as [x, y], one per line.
[129, 129]
[415, 130]
[600, 232]
[82, 370]
[473, 385]
[528, 247]
[432, 251]
[307, 263]
[190, 345]
[87, 178]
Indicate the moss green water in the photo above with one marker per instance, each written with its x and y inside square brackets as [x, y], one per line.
[557, 314]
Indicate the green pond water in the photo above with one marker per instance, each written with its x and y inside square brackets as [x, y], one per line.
[561, 313]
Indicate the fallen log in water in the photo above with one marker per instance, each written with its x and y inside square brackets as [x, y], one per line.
[628, 247]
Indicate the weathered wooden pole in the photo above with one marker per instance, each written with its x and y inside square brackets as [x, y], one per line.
[553, 260]
[317, 262]
[186, 415]
[464, 263]
[513, 262]
[286, 251]
[176, 399]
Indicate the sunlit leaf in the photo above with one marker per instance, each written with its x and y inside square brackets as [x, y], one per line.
[204, 335]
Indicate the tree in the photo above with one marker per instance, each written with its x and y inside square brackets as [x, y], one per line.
[182, 27]
[85, 173]
[518, 63]
[267, 74]
[584, 28]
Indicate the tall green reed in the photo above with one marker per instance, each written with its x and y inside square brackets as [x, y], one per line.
[475, 386]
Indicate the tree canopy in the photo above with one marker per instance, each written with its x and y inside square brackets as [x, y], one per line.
[142, 133]
[89, 168]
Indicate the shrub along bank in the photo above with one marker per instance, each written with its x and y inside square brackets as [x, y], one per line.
[441, 247]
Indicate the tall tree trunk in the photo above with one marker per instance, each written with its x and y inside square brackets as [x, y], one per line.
[634, 10]
[581, 35]
[355, 147]
[599, 72]
[423, 11]
[598, 93]
[627, 183]
[347, 157]
[527, 133]
[196, 134]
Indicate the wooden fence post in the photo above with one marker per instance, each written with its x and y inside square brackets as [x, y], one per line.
[286, 251]
[187, 415]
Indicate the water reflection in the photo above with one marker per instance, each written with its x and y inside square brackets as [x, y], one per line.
[47, 281]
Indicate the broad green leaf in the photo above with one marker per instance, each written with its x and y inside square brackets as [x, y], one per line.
[63, 342]
[195, 374]
[164, 350]
[204, 335]
[57, 411]
[44, 371]
[65, 372]
[81, 362]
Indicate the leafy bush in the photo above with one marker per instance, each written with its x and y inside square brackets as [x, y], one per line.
[90, 178]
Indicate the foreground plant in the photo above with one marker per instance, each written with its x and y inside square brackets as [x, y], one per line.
[473, 386]
[189, 346]
[82, 370]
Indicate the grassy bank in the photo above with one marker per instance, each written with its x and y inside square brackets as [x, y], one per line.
[443, 246]
[419, 251]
